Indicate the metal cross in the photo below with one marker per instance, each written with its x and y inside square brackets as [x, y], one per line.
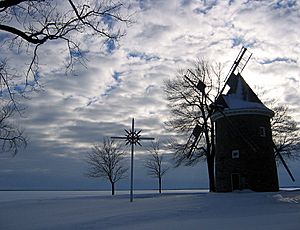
[132, 137]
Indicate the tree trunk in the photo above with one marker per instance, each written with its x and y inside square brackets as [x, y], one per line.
[209, 139]
[211, 173]
[159, 185]
[210, 167]
[112, 188]
[211, 160]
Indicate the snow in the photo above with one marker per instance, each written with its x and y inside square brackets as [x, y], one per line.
[171, 210]
[239, 97]
[235, 102]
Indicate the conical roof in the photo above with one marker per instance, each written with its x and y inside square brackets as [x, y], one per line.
[240, 98]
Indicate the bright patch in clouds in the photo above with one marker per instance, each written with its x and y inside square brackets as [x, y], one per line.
[125, 80]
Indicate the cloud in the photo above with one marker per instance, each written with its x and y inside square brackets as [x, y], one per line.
[125, 80]
[278, 59]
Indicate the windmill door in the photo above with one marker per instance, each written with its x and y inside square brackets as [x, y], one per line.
[235, 181]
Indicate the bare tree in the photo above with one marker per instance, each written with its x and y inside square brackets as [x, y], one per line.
[106, 161]
[285, 132]
[29, 24]
[11, 136]
[190, 107]
[155, 164]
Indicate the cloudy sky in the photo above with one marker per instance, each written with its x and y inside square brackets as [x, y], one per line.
[124, 80]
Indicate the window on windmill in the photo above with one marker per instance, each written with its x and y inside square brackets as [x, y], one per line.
[262, 131]
[235, 154]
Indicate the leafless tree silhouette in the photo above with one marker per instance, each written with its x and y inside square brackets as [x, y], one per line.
[190, 107]
[285, 132]
[11, 136]
[155, 165]
[29, 24]
[107, 161]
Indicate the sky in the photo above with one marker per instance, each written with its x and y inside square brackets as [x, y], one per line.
[124, 80]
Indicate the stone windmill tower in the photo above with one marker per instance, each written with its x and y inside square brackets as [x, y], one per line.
[244, 149]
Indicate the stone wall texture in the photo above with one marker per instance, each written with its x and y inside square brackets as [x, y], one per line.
[255, 168]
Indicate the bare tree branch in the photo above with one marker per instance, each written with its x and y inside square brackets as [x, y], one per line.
[35, 22]
[11, 137]
[285, 132]
[189, 107]
[28, 25]
[107, 161]
[155, 165]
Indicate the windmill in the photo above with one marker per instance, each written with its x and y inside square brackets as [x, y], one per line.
[244, 149]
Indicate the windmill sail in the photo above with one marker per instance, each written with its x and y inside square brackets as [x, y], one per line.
[283, 162]
[194, 139]
[237, 67]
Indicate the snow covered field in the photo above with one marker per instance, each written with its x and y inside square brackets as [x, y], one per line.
[172, 210]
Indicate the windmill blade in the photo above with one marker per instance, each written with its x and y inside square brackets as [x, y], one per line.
[286, 167]
[239, 65]
[283, 162]
[220, 109]
[239, 62]
[200, 85]
[189, 154]
[197, 131]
